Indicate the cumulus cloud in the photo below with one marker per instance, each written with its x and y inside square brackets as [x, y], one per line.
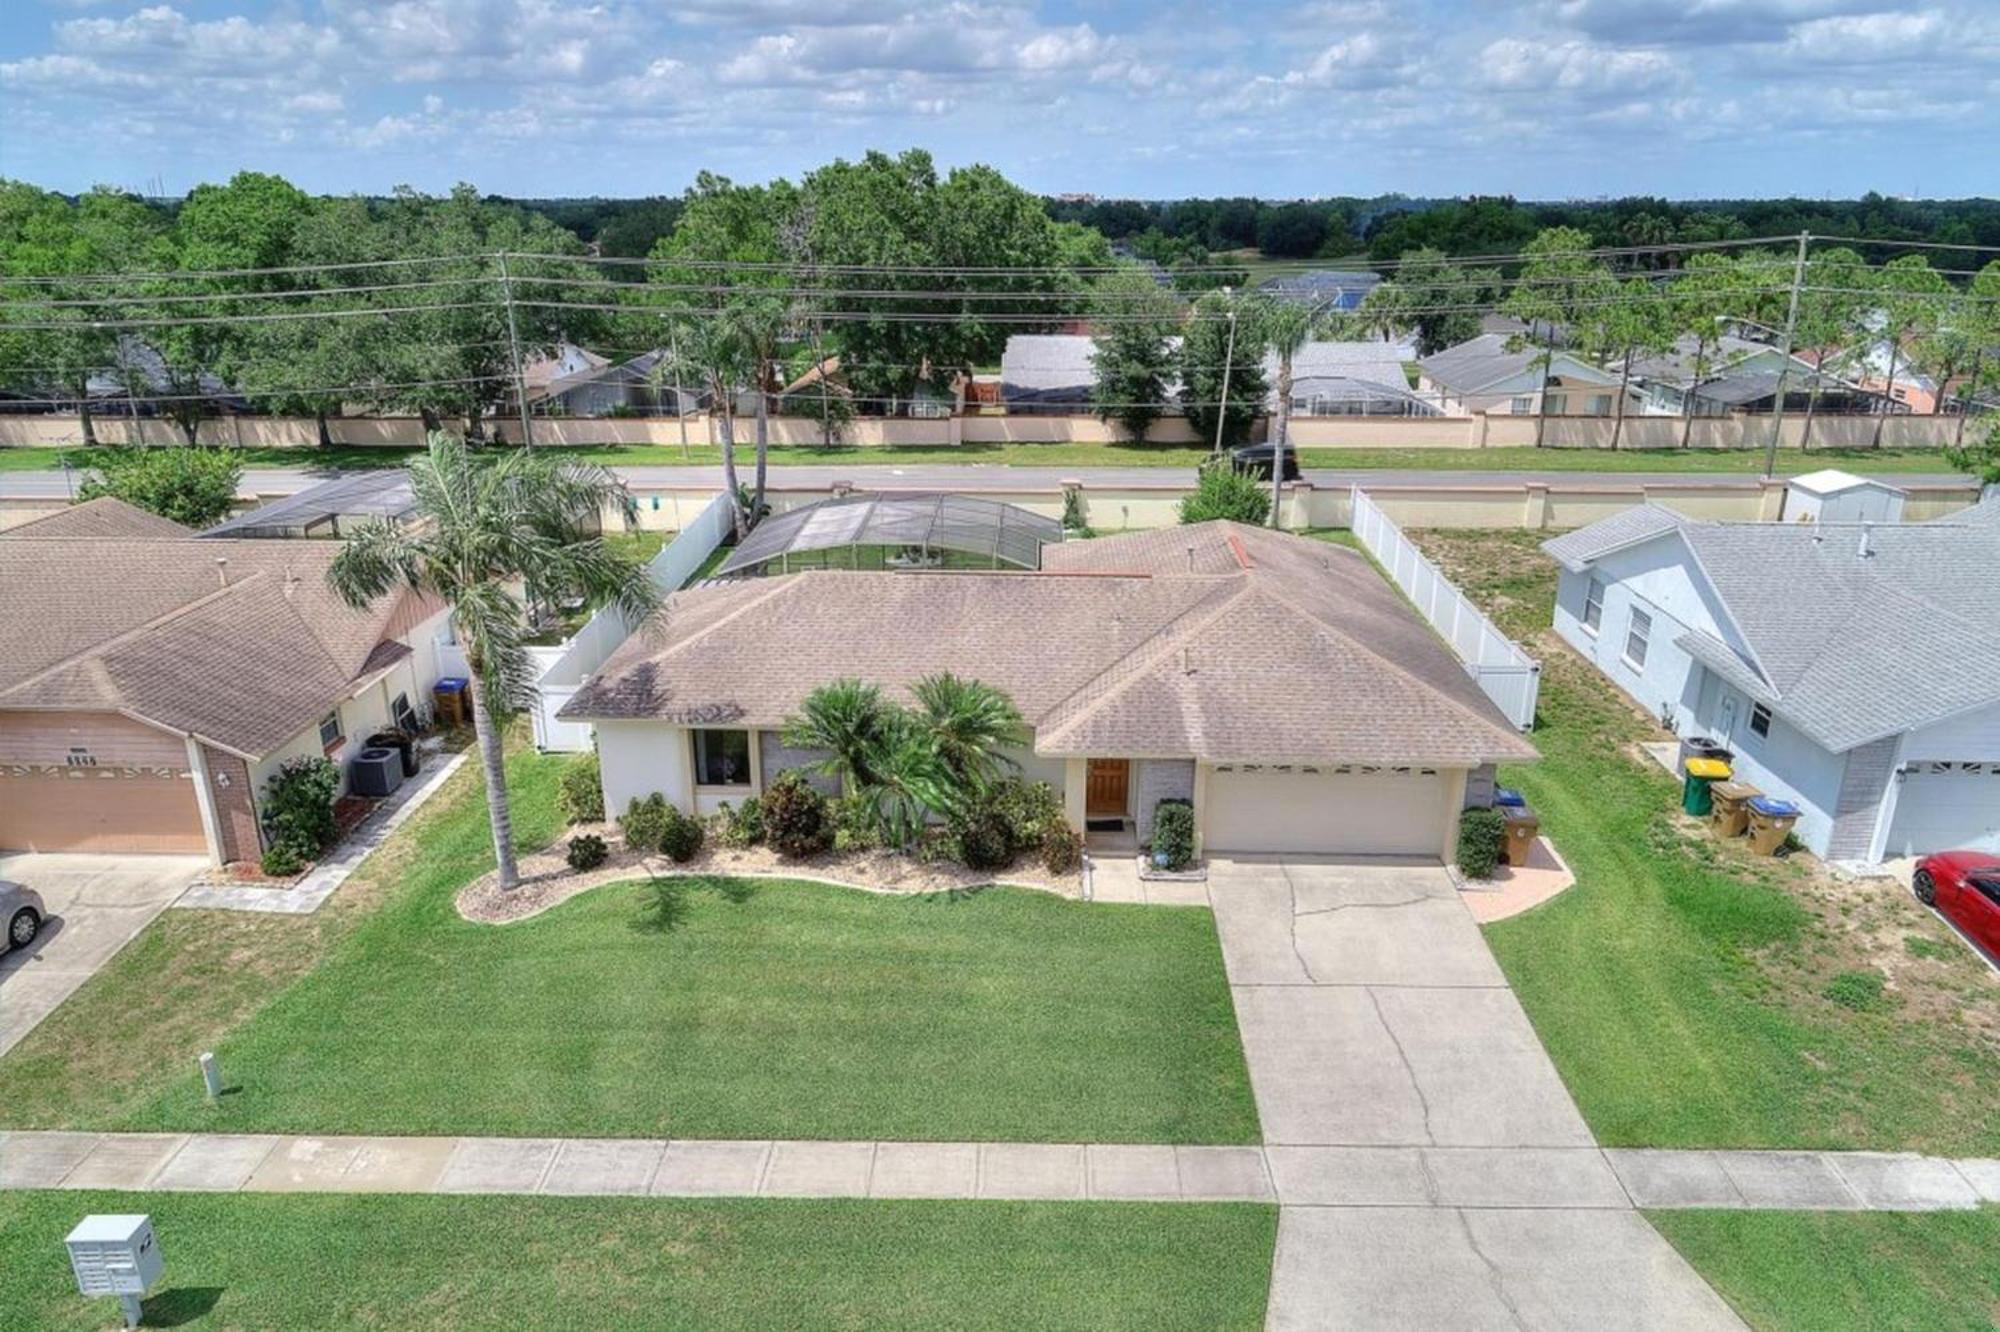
[1584, 68]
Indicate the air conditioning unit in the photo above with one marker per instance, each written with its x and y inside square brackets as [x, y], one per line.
[376, 771]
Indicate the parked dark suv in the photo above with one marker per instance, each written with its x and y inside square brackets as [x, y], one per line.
[1256, 460]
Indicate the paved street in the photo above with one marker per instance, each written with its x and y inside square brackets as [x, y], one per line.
[96, 905]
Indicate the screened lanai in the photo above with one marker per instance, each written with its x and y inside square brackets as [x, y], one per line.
[895, 532]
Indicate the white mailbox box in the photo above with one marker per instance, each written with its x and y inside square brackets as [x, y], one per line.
[114, 1255]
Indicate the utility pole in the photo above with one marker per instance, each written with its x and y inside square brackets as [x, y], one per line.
[1785, 366]
[514, 346]
[1228, 355]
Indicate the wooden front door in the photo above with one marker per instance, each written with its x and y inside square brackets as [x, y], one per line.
[1105, 788]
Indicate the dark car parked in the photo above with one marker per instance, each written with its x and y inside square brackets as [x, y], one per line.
[1965, 888]
[1256, 460]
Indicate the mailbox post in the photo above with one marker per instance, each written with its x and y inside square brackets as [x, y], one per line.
[115, 1255]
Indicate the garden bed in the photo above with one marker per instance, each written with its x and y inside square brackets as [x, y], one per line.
[548, 881]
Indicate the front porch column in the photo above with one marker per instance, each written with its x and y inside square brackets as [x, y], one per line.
[1454, 805]
[1076, 783]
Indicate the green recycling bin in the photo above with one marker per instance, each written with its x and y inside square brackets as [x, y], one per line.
[1702, 773]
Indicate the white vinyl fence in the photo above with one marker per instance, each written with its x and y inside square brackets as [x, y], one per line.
[1509, 676]
[572, 662]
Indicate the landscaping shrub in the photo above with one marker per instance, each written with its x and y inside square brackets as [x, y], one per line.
[796, 821]
[1173, 833]
[984, 838]
[580, 789]
[587, 851]
[853, 824]
[280, 862]
[645, 822]
[741, 825]
[1062, 849]
[1224, 491]
[1482, 835]
[1029, 809]
[1861, 991]
[298, 808]
[681, 837]
[195, 487]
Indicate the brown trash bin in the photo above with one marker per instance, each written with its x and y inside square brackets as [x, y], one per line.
[1770, 823]
[1522, 825]
[1730, 812]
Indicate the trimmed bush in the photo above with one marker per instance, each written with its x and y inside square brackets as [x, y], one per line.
[1173, 833]
[984, 839]
[682, 836]
[580, 789]
[1062, 849]
[1224, 491]
[796, 821]
[741, 825]
[298, 808]
[280, 862]
[645, 822]
[1029, 809]
[587, 851]
[1482, 835]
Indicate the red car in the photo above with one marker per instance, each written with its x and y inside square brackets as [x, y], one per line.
[1965, 887]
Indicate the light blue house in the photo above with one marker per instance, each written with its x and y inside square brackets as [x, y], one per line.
[1853, 668]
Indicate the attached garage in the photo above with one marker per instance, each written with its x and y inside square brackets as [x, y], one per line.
[100, 809]
[1946, 807]
[1331, 811]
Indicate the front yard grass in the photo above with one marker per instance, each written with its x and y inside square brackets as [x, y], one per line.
[273, 1261]
[766, 1009]
[1830, 1271]
[1687, 991]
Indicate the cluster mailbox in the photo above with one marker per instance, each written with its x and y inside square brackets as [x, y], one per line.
[115, 1255]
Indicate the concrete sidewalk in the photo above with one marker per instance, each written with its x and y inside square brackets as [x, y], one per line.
[1509, 1178]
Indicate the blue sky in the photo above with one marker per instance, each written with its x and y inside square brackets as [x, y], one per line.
[1540, 98]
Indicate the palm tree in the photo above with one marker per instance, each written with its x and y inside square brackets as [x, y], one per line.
[1287, 327]
[850, 721]
[968, 725]
[723, 348]
[486, 522]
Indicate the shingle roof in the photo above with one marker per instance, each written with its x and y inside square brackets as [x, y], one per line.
[1218, 642]
[1478, 362]
[1328, 288]
[100, 517]
[1847, 646]
[1627, 527]
[239, 642]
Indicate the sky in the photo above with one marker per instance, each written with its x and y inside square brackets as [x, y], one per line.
[1544, 99]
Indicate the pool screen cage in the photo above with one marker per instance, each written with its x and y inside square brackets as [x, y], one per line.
[869, 531]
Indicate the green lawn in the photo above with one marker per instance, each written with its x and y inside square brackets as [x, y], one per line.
[1831, 1271]
[1682, 988]
[781, 1010]
[271, 1261]
[1747, 461]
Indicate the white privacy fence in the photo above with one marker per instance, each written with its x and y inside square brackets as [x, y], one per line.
[1509, 676]
[568, 665]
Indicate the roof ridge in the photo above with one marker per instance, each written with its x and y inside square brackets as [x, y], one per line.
[781, 583]
[1121, 673]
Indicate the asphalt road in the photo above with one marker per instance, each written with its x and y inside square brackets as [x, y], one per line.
[998, 476]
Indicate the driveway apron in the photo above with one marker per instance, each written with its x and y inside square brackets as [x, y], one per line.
[1402, 1090]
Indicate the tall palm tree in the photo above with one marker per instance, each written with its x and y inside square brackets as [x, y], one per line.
[969, 725]
[1287, 327]
[850, 721]
[487, 521]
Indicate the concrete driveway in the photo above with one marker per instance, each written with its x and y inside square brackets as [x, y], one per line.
[1403, 1091]
[96, 905]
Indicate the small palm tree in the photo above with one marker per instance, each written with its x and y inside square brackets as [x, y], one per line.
[968, 725]
[486, 523]
[1287, 327]
[851, 722]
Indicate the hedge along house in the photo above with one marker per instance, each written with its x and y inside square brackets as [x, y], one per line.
[152, 682]
[1276, 682]
[1852, 667]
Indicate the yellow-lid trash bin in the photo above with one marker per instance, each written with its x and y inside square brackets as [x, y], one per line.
[1702, 773]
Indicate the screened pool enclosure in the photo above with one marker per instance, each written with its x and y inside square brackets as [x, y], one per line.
[895, 532]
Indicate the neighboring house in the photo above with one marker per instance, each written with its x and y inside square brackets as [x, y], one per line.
[642, 386]
[1327, 289]
[1277, 682]
[1853, 667]
[566, 361]
[1047, 373]
[151, 682]
[1739, 375]
[1486, 374]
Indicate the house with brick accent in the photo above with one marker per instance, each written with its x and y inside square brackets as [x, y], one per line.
[152, 681]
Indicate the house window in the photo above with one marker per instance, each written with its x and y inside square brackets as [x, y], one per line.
[1636, 638]
[330, 734]
[1593, 605]
[1522, 405]
[1760, 719]
[722, 758]
[1600, 404]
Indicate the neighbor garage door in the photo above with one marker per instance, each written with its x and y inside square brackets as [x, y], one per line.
[99, 809]
[1322, 811]
[1946, 806]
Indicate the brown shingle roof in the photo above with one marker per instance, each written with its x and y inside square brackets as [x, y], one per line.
[101, 517]
[1219, 642]
[239, 642]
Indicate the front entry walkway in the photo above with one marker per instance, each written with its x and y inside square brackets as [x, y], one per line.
[1392, 1063]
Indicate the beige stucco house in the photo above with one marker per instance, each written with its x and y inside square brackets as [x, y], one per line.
[1275, 681]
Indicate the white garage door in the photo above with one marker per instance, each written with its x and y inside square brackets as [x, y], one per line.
[1326, 811]
[1945, 807]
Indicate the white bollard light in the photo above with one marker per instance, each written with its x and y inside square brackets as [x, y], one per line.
[211, 1074]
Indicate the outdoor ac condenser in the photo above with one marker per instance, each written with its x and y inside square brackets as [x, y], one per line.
[376, 772]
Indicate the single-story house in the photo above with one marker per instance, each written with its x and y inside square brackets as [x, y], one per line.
[1487, 374]
[1853, 667]
[1055, 373]
[1739, 375]
[151, 682]
[645, 385]
[1277, 682]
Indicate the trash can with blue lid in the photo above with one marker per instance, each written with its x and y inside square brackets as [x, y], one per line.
[1506, 797]
[452, 706]
[1771, 823]
[1702, 773]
